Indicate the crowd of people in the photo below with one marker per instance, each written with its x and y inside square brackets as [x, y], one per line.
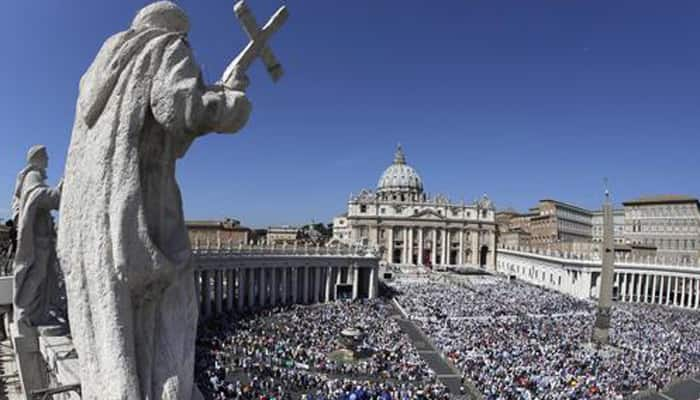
[510, 339]
[292, 353]
[480, 297]
[516, 341]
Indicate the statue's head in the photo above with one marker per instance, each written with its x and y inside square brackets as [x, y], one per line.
[163, 15]
[38, 157]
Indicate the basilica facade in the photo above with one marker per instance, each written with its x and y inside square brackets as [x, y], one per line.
[411, 228]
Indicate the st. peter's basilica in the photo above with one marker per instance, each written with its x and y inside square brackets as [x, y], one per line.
[411, 228]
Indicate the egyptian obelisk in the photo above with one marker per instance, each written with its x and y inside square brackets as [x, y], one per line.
[601, 329]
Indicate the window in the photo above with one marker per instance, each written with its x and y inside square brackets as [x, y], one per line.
[363, 208]
[382, 210]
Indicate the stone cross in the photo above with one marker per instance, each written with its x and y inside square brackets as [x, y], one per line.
[251, 28]
[257, 47]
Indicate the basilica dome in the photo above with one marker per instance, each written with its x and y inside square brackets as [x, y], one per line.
[400, 177]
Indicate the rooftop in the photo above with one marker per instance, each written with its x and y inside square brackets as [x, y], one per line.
[567, 205]
[662, 199]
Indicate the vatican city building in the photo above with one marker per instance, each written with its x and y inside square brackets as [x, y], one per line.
[409, 227]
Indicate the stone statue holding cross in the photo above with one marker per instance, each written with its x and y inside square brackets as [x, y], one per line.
[122, 240]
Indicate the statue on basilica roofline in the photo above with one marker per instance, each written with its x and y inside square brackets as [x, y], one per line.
[485, 203]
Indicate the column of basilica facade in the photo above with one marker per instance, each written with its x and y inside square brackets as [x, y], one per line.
[411, 228]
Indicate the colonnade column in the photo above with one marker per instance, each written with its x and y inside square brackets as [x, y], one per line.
[251, 288]
[420, 247]
[653, 289]
[206, 288]
[263, 286]
[285, 285]
[697, 293]
[683, 292]
[676, 292]
[241, 283]
[317, 284]
[668, 290]
[230, 277]
[329, 283]
[624, 287]
[305, 285]
[274, 288]
[218, 291]
[639, 288]
[295, 284]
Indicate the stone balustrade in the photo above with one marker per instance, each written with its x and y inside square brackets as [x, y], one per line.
[628, 257]
[266, 249]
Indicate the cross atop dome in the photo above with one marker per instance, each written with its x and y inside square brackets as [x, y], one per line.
[399, 157]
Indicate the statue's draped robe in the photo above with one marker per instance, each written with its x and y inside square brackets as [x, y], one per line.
[122, 241]
[34, 262]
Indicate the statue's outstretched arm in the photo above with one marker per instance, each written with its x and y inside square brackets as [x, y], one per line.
[184, 105]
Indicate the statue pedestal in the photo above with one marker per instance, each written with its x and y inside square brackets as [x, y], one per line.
[61, 362]
[30, 363]
[45, 357]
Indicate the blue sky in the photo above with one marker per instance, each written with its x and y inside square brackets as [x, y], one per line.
[519, 99]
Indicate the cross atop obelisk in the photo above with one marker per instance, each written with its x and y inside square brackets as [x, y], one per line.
[601, 329]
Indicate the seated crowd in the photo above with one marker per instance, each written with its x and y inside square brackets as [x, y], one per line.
[533, 343]
[287, 354]
[481, 297]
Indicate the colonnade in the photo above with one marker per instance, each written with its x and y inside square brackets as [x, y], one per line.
[668, 289]
[633, 283]
[239, 287]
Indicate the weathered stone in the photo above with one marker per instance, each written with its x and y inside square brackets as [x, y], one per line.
[35, 258]
[122, 240]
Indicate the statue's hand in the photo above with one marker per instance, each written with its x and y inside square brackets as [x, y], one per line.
[238, 81]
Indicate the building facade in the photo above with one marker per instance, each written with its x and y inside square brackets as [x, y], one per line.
[411, 228]
[213, 233]
[560, 225]
[282, 235]
[513, 228]
[669, 223]
[618, 226]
